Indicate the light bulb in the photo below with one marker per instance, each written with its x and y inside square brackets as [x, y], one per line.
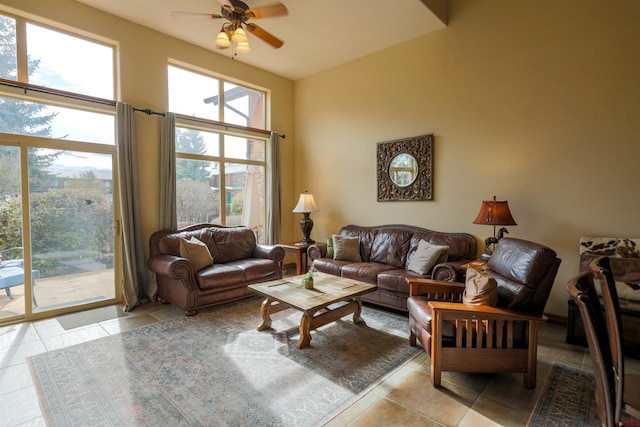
[239, 36]
[243, 47]
[223, 40]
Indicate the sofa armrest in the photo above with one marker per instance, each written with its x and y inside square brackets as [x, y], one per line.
[316, 252]
[173, 266]
[448, 271]
[273, 252]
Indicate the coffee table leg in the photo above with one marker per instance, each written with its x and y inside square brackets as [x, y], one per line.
[265, 313]
[358, 311]
[305, 330]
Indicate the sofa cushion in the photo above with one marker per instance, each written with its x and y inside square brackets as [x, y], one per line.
[170, 243]
[220, 277]
[480, 288]
[396, 280]
[197, 252]
[426, 256]
[329, 266]
[390, 247]
[364, 271]
[233, 243]
[346, 248]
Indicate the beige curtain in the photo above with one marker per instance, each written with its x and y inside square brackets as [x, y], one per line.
[137, 287]
[274, 214]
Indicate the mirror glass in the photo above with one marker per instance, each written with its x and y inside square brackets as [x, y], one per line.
[403, 169]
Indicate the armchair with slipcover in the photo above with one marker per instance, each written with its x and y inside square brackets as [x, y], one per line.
[462, 337]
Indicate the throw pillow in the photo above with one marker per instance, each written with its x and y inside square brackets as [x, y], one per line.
[426, 256]
[329, 247]
[197, 252]
[346, 248]
[480, 288]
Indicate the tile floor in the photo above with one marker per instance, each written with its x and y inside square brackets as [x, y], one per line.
[404, 398]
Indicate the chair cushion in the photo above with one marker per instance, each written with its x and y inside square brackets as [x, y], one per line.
[521, 261]
[421, 314]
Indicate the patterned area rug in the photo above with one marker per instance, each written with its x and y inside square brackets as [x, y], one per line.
[568, 399]
[216, 369]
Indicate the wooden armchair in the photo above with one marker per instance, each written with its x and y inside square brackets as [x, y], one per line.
[471, 338]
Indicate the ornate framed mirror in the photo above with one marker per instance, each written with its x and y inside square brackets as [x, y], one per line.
[405, 169]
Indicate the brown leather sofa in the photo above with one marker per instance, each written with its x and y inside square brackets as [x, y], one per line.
[385, 251]
[237, 262]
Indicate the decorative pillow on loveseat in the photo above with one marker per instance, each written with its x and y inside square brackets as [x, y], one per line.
[197, 252]
[346, 248]
[426, 256]
[480, 288]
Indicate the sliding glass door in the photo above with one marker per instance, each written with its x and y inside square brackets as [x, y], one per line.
[72, 228]
[65, 257]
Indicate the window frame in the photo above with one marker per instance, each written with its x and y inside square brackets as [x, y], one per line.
[225, 129]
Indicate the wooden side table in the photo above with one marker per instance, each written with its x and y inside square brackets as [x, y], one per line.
[477, 264]
[300, 249]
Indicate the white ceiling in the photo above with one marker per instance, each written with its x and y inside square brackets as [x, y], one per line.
[317, 34]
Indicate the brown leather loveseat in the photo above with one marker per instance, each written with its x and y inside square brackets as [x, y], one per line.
[386, 252]
[237, 261]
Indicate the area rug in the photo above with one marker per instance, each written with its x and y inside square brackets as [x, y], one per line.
[569, 399]
[87, 317]
[216, 369]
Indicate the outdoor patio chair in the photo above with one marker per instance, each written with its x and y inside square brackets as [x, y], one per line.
[12, 273]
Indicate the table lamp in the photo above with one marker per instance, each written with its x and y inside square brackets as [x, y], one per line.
[494, 212]
[306, 205]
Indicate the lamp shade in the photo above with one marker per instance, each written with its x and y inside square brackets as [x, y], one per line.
[239, 36]
[223, 40]
[494, 212]
[306, 203]
[243, 47]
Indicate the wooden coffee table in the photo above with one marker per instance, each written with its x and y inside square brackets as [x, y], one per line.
[313, 303]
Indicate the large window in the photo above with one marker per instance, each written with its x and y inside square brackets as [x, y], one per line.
[57, 169]
[220, 171]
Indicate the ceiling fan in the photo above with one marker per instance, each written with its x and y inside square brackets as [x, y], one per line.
[237, 15]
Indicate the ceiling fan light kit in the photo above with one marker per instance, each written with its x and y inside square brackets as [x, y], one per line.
[223, 40]
[238, 13]
[239, 36]
[243, 47]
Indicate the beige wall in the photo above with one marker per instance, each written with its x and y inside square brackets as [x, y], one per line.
[539, 108]
[143, 58]
[535, 102]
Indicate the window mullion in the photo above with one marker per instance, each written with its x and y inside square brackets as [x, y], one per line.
[21, 50]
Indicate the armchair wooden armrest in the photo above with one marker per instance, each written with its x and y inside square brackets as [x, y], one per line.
[436, 290]
[486, 340]
[454, 309]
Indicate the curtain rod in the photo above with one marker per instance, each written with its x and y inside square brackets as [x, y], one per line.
[148, 112]
[227, 126]
[42, 89]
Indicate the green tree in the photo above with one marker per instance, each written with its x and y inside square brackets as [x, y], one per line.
[192, 142]
[18, 116]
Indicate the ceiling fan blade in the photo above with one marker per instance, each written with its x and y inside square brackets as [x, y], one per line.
[197, 14]
[226, 4]
[269, 11]
[264, 35]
